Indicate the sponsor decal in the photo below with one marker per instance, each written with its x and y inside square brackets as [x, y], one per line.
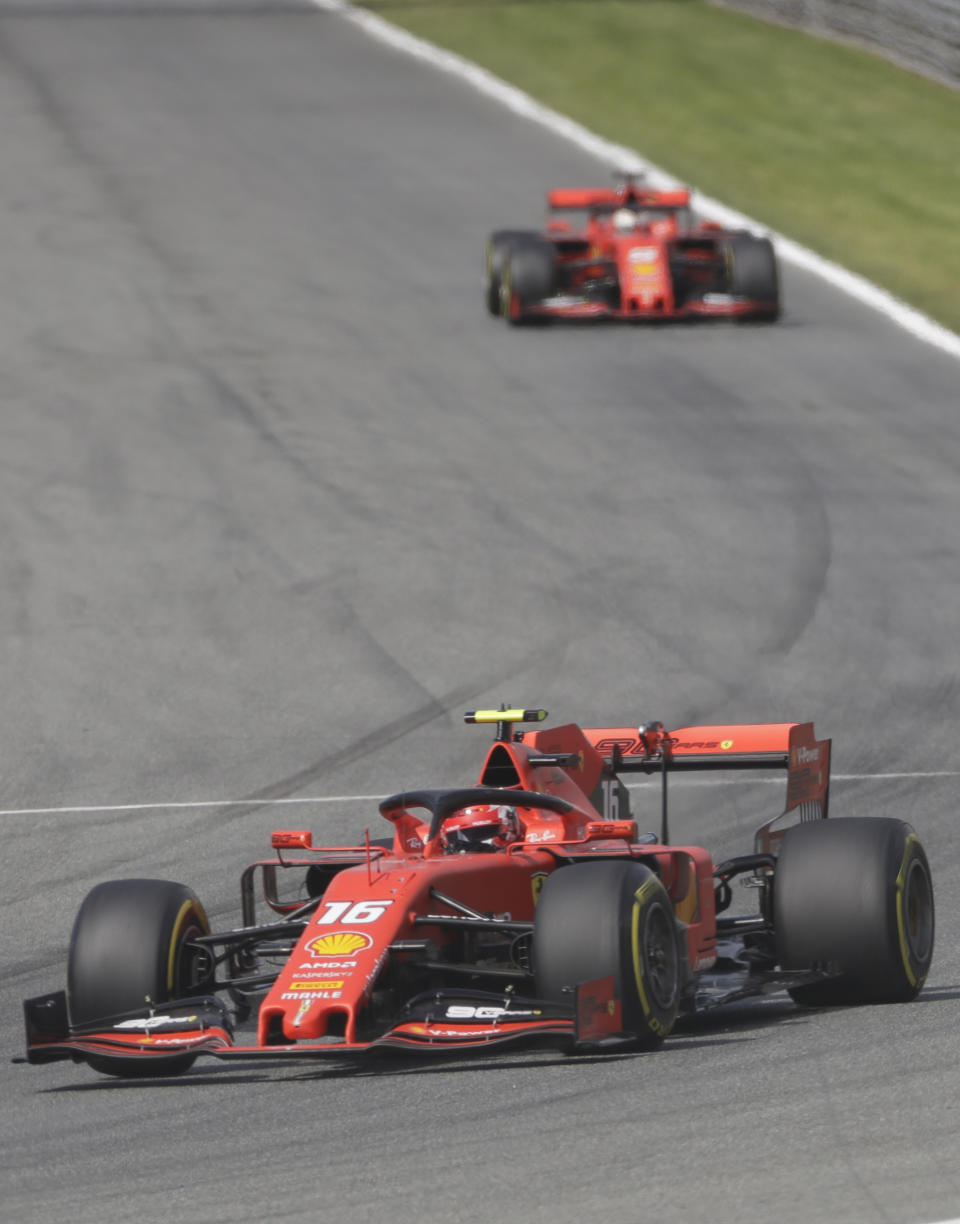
[564, 299]
[318, 985]
[806, 756]
[329, 966]
[642, 255]
[541, 835]
[460, 1034]
[374, 973]
[302, 1011]
[315, 976]
[726, 745]
[536, 884]
[289, 997]
[599, 1011]
[339, 943]
[155, 1022]
[458, 1011]
[626, 746]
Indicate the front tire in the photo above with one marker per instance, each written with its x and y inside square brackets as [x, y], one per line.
[856, 893]
[611, 918]
[131, 947]
[499, 246]
[753, 274]
[529, 275]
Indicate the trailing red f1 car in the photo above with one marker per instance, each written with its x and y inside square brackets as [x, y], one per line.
[639, 254]
[527, 906]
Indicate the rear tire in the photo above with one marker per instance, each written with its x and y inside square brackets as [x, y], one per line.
[130, 947]
[611, 918]
[857, 893]
[753, 275]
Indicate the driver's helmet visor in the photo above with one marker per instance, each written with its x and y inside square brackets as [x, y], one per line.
[480, 828]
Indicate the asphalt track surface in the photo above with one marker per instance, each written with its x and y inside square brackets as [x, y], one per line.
[279, 502]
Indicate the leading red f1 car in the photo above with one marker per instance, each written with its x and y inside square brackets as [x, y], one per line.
[638, 254]
[527, 906]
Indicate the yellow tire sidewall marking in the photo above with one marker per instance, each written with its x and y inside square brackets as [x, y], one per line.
[178, 925]
[641, 897]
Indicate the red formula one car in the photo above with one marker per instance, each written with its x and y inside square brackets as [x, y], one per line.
[639, 254]
[527, 906]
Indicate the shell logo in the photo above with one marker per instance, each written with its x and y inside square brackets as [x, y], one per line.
[339, 943]
[726, 745]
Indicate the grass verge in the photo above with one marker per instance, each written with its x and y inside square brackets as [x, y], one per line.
[848, 154]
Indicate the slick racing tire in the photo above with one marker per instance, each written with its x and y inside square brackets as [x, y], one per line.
[499, 246]
[130, 945]
[753, 274]
[856, 895]
[610, 918]
[528, 276]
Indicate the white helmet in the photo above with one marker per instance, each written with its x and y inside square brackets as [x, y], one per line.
[624, 219]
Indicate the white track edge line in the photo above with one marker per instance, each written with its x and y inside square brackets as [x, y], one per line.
[301, 800]
[850, 283]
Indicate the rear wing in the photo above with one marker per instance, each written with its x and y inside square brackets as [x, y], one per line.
[791, 747]
[606, 199]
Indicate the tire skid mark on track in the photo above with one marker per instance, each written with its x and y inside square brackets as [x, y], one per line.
[431, 710]
[106, 182]
[172, 265]
[244, 409]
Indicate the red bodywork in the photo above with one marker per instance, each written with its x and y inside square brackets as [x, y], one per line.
[388, 906]
[669, 266]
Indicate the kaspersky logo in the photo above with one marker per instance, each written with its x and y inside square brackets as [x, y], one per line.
[339, 943]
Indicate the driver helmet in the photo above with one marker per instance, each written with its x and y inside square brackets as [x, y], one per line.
[484, 828]
[624, 219]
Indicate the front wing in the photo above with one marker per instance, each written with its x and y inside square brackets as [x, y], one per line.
[572, 307]
[443, 1022]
